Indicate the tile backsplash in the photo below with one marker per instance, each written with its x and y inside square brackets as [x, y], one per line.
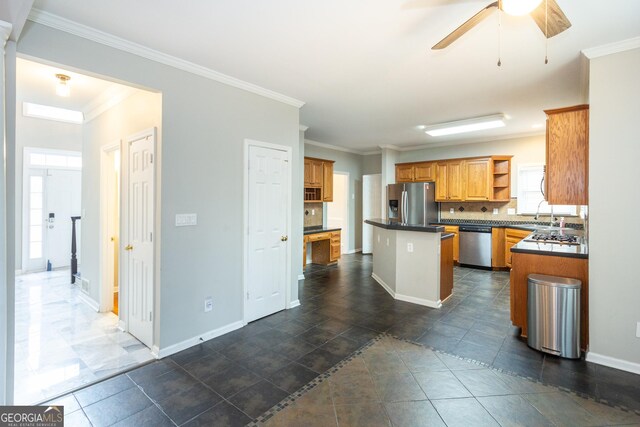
[474, 210]
[313, 214]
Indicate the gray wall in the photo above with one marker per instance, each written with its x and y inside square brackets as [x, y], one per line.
[614, 151]
[525, 150]
[371, 164]
[38, 133]
[351, 163]
[204, 126]
[139, 112]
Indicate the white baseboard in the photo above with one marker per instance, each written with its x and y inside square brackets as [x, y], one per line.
[301, 277]
[407, 298]
[382, 283]
[612, 362]
[419, 301]
[294, 304]
[89, 301]
[353, 251]
[199, 339]
[122, 325]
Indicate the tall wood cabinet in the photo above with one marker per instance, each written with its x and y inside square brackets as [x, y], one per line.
[318, 180]
[478, 180]
[567, 173]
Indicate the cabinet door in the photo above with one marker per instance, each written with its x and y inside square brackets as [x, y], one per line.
[307, 172]
[316, 173]
[424, 172]
[327, 182]
[568, 157]
[455, 184]
[478, 181]
[404, 173]
[456, 240]
[441, 182]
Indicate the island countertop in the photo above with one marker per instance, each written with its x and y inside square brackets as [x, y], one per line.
[554, 249]
[394, 225]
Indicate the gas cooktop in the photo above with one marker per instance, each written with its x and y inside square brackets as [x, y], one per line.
[562, 239]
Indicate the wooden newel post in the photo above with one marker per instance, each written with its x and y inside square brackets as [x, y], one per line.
[74, 259]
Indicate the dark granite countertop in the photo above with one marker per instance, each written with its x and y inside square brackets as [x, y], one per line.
[394, 225]
[320, 229]
[554, 249]
[522, 225]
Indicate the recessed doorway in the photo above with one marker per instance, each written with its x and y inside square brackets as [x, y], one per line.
[338, 210]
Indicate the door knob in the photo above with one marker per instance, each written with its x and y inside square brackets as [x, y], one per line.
[128, 248]
[284, 238]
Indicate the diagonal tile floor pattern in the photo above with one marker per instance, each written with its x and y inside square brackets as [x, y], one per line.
[232, 380]
[397, 383]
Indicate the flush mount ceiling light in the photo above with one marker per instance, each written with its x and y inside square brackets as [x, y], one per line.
[519, 7]
[467, 125]
[62, 88]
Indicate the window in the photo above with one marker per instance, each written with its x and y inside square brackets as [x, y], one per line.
[36, 220]
[530, 195]
[48, 160]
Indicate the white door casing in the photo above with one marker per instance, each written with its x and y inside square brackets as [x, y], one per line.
[110, 223]
[267, 248]
[371, 208]
[138, 246]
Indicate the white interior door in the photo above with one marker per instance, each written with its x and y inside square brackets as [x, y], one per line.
[62, 201]
[267, 240]
[338, 210]
[139, 246]
[371, 208]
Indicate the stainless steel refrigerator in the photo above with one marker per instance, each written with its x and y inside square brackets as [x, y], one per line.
[413, 203]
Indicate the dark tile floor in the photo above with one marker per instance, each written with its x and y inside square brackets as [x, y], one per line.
[235, 378]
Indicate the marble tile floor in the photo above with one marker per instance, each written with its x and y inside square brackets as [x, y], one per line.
[61, 343]
[396, 383]
[235, 378]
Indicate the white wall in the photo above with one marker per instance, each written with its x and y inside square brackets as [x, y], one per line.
[38, 133]
[139, 112]
[351, 163]
[524, 150]
[614, 153]
[204, 125]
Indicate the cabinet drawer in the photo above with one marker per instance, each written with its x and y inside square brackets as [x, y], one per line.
[319, 236]
[335, 252]
[516, 234]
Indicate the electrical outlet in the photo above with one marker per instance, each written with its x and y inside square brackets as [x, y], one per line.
[378, 238]
[208, 304]
[495, 211]
[638, 330]
[313, 211]
[183, 220]
[511, 211]
[387, 241]
[451, 210]
[409, 247]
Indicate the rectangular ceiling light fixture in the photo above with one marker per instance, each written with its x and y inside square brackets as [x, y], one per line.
[47, 112]
[468, 125]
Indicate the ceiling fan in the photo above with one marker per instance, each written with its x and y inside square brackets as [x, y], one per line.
[547, 14]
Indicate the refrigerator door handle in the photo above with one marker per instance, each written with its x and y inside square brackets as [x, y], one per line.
[405, 206]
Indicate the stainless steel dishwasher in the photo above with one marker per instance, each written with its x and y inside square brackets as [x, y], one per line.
[475, 245]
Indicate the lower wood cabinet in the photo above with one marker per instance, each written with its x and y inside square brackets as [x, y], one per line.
[446, 268]
[325, 247]
[511, 237]
[456, 240]
[524, 264]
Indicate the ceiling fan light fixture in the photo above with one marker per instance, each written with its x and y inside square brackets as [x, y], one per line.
[468, 125]
[519, 7]
[62, 88]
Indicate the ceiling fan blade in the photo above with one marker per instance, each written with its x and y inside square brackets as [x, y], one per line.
[557, 21]
[462, 29]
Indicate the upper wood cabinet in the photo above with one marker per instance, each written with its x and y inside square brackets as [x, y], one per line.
[478, 180]
[566, 178]
[327, 181]
[415, 172]
[318, 180]
[469, 179]
[449, 181]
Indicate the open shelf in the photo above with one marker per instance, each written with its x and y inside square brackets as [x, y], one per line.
[313, 194]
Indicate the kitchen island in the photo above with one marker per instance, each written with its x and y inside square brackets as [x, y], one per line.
[407, 261]
[552, 259]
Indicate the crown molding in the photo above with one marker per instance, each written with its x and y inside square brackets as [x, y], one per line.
[5, 32]
[303, 128]
[333, 147]
[86, 32]
[608, 49]
[106, 100]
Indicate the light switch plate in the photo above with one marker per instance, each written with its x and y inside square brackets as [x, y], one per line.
[409, 247]
[183, 220]
[495, 211]
[451, 210]
[208, 304]
[511, 211]
[638, 330]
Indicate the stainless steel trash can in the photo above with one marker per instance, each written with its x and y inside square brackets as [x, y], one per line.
[553, 315]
